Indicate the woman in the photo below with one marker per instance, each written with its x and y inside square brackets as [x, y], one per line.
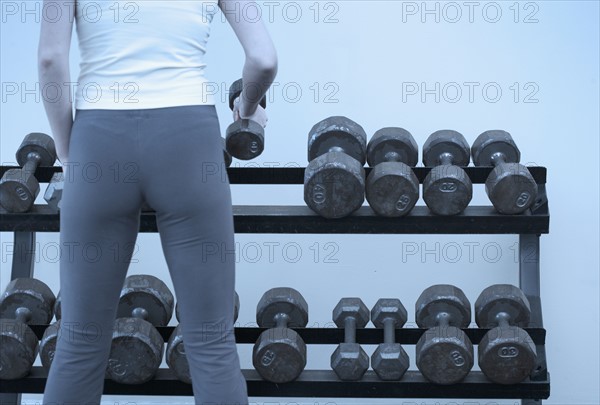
[144, 129]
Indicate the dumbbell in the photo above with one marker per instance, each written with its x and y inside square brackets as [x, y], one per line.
[25, 301]
[389, 360]
[392, 188]
[510, 186]
[137, 347]
[54, 191]
[507, 353]
[349, 360]
[279, 354]
[175, 354]
[48, 344]
[245, 139]
[334, 179]
[447, 189]
[19, 187]
[444, 352]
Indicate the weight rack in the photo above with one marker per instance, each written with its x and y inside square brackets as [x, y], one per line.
[300, 219]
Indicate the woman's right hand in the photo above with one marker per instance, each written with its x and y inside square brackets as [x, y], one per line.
[259, 116]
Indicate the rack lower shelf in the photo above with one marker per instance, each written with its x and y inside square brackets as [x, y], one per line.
[317, 384]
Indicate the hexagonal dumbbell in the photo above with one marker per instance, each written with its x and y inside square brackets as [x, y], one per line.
[334, 179]
[507, 353]
[392, 188]
[19, 187]
[53, 193]
[510, 187]
[349, 360]
[444, 352]
[25, 301]
[175, 354]
[447, 189]
[279, 354]
[137, 347]
[245, 139]
[389, 360]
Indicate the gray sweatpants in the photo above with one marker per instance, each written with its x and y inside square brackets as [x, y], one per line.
[172, 158]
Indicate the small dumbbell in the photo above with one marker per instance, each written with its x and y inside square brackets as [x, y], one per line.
[137, 347]
[392, 188]
[279, 354]
[510, 187]
[444, 352]
[389, 360]
[349, 360]
[334, 179]
[507, 353]
[245, 139]
[175, 354]
[447, 189]
[54, 191]
[19, 187]
[25, 301]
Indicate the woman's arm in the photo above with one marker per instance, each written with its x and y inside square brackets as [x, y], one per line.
[53, 73]
[260, 67]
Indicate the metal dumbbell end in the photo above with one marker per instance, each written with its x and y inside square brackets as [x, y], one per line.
[175, 353]
[245, 139]
[19, 187]
[53, 193]
[334, 179]
[507, 354]
[48, 344]
[389, 360]
[137, 347]
[25, 301]
[510, 186]
[349, 360]
[392, 189]
[447, 189]
[444, 352]
[279, 354]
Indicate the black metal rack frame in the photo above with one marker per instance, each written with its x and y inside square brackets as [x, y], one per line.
[300, 219]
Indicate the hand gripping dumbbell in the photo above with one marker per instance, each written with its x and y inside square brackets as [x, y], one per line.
[389, 360]
[392, 188]
[25, 301]
[510, 187]
[245, 139]
[334, 179]
[447, 189]
[507, 353]
[279, 354]
[444, 352]
[349, 360]
[19, 187]
[175, 354]
[137, 347]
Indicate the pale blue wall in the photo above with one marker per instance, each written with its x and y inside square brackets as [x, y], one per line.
[367, 53]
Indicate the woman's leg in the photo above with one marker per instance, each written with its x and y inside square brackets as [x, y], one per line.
[99, 221]
[186, 183]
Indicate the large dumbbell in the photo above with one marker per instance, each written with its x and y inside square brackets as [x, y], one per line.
[334, 179]
[279, 354]
[510, 187]
[25, 301]
[392, 188]
[19, 187]
[349, 360]
[389, 360]
[444, 352]
[507, 353]
[447, 189]
[48, 344]
[137, 347]
[175, 353]
[245, 139]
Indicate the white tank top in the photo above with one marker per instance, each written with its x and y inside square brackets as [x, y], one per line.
[143, 53]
